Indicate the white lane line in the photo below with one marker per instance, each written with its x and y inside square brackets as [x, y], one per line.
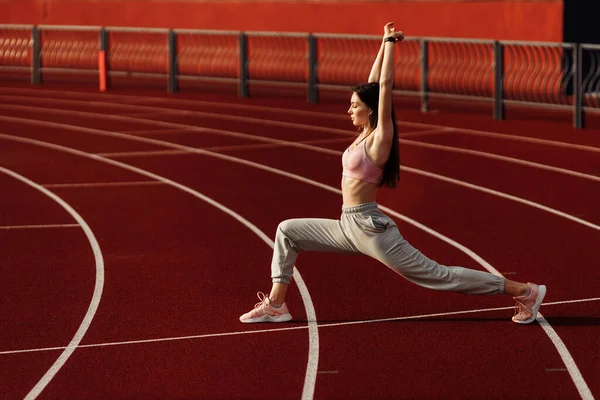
[269, 140]
[293, 144]
[155, 131]
[192, 129]
[153, 153]
[406, 142]
[47, 226]
[514, 137]
[474, 187]
[313, 335]
[144, 153]
[525, 139]
[281, 124]
[502, 158]
[232, 106]
[294, 328]
[102, 184]
[218, 148]
[582, 387]
[508, 197]
[310, 380]
[98, 286]
[150, 114]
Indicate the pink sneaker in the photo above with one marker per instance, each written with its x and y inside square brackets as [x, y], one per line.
[263, 312]
[527, 307]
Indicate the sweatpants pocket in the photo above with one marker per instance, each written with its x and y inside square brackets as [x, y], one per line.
[379, 224]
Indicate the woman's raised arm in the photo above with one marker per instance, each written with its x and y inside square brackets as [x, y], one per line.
[376, 70]
[384, 133]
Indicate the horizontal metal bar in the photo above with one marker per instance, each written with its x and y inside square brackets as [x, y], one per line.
[456, 40]
[207, 79]
[110, 73]
[357, 37]
[542, 44]
[460, 96]
[346, 88]
[81, 71]
[136, 30]
[590, 46]
[592, 110]
[205, 32]
[540, 105]
[134, 74]
[7, 26]
[278, 83]
[277, 34]
[299, 34]
[69, 28]
[14, 69]
[415, 93]
[342, 88]
[346, 36]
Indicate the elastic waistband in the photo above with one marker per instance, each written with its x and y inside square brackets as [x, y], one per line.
[360, 208]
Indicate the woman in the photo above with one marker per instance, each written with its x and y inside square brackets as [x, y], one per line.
[370, 162]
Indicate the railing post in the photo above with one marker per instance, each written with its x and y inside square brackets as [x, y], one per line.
[103, 39]
[424, 74]
[104, 47]
[578, 116]
[313, 91]
[243, 66]
[172, 46]
[498, 80]
[36, 56]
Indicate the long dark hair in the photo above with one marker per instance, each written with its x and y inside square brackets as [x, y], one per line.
[369, 94]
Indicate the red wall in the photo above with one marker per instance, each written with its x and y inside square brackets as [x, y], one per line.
[505, 20]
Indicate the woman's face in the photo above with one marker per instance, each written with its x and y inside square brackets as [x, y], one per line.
[359, 111]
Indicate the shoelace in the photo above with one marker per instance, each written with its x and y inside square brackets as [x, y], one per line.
[263, 300]
[521, 309]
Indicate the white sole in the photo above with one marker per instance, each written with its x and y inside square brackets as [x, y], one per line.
[269, 318]
[536, 306]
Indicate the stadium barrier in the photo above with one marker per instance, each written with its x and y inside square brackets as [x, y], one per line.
[545, 74]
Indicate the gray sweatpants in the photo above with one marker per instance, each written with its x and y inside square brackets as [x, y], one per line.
[366, 230]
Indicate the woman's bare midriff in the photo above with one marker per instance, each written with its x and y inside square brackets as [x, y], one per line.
[356, 192]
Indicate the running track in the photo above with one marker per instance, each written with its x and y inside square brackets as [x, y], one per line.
[136, 229]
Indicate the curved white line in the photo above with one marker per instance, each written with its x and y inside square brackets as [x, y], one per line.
[183, 127]
[562, 350]
[564, 353]
[293, 144]
[290, 328]
[282, 124]
[313, 335]
[412, 170]
[580, 384]
[501, 158]
[98, 286]
[308, 113]
[468, 131]
[508, 197]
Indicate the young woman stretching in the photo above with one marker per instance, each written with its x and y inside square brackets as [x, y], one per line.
[370, 162]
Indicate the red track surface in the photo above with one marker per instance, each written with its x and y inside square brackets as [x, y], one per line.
[178, 271]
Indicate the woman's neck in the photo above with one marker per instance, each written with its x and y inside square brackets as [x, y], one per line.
[367, 130]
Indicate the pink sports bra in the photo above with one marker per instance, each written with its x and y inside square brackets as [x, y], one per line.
[357, 164]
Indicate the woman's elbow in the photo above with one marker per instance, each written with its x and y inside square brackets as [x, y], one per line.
[386, 83]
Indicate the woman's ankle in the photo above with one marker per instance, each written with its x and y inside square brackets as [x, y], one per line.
[278, 294]
[516, 289]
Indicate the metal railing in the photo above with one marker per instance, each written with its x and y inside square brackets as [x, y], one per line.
[554, 75]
